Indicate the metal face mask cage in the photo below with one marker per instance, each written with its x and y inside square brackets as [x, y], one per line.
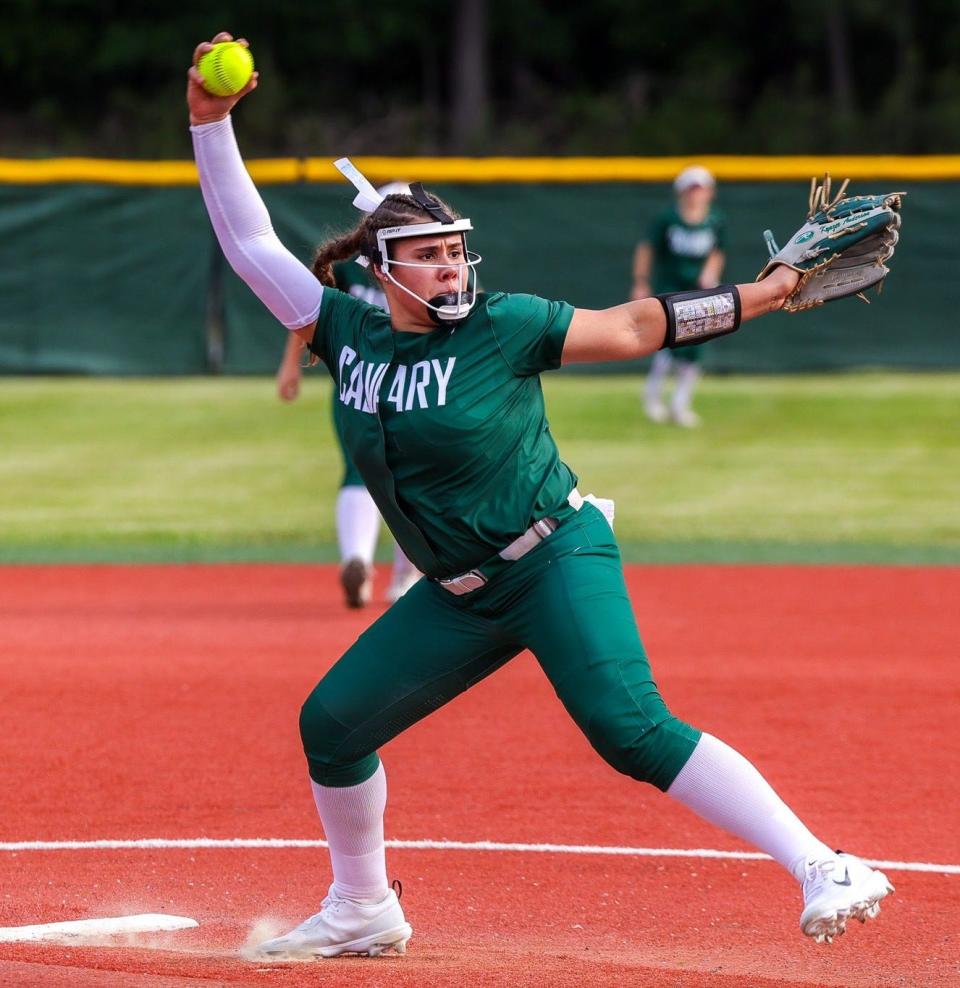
[448, 307]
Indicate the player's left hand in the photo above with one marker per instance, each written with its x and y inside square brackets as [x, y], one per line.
[842, 248]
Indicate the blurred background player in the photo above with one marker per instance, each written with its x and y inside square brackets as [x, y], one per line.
[357, 517]
[683, 252]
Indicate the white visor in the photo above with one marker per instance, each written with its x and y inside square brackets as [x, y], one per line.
[693, 176]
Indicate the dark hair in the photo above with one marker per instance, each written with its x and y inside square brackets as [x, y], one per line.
[395, 210]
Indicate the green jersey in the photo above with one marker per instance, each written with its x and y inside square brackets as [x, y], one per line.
[448, 428]
[354, 280]
[681, 249]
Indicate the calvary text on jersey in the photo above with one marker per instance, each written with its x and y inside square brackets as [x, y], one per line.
[419, 385]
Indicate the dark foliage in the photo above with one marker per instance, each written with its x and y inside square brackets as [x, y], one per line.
[105, 77]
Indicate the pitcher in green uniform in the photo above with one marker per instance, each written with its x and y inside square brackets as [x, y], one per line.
[443, 414]
[683, 251]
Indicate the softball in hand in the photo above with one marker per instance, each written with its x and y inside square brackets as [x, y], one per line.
[226, 68]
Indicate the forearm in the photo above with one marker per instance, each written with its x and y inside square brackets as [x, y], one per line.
[757, 298]
[243, 228]
[293, 351]
[640, 328]
[698, 316]
[648, 326]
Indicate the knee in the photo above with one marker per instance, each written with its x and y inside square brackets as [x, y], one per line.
[334, 757]
[647, 752]
[320, 733]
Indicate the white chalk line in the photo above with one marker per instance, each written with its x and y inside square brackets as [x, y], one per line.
[210, 843]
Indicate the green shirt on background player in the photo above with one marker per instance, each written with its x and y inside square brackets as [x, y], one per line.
[444, 418]
[681, 250]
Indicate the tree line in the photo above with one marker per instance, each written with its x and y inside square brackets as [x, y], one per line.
[521, 77]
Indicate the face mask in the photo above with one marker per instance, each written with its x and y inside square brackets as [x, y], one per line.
[448, 307]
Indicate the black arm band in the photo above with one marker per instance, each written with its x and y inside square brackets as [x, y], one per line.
[694, 317]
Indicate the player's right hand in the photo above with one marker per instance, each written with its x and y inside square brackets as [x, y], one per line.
[205, 107]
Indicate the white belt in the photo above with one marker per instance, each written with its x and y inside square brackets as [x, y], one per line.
[519, 547]
[538, 531]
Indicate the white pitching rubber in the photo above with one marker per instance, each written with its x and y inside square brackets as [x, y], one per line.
[84, 928]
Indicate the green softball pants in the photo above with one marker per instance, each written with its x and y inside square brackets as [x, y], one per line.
[565, 600]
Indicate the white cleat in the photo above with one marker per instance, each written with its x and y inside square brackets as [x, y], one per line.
[356, 578]
[838, 889]
[344, 926]
[686, 418]
[656, 411]
[400, 585]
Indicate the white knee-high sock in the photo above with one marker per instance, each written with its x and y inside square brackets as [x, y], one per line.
[352, 819]
[720, 785]
[659, 369]
[687, 376]
[358, 524]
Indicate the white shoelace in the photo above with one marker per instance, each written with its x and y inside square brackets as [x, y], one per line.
[817, 873]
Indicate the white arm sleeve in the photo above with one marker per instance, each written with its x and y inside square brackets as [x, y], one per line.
[242, 224]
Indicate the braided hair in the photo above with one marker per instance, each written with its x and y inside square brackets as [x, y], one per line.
[397, 209]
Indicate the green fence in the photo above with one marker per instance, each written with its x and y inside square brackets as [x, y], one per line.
[114, 279]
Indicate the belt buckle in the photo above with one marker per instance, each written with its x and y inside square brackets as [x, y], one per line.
[464, 583]
[544, 527]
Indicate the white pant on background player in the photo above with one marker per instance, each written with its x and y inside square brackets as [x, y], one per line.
[679, 410]
[358, 528]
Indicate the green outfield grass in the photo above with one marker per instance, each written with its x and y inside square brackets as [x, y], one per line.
[851, 468]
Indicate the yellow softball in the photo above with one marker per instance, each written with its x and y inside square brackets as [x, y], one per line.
[226, 68]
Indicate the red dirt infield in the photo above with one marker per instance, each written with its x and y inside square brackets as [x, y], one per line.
[161, 702]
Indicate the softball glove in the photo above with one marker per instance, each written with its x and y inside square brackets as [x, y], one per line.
[842, 248]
